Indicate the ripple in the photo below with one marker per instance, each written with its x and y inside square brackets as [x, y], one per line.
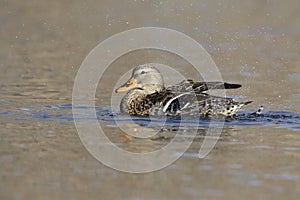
[279, 119]
[291, 148]
[288, 177]
[206, 167]
[234, 166]
[259, 147]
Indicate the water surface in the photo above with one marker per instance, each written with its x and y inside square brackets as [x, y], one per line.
[43, 43]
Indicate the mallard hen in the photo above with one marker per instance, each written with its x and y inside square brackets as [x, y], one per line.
[147, 95]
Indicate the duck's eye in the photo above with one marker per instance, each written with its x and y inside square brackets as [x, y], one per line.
[143, 72]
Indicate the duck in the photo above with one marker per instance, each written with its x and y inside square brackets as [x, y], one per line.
[147, 95]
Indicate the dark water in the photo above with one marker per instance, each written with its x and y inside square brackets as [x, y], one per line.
[61, 113]
[278, 119]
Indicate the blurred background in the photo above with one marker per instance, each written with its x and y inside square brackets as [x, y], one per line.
[42, 44]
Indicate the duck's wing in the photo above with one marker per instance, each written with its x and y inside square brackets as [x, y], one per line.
[204, 86]
[185, 101]
[193, 104]
[163, 102]
[190, 103]
[199, 87]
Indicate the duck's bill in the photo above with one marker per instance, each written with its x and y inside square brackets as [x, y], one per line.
[130, 84]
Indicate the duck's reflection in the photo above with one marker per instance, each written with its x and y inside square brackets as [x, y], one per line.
[143, 135]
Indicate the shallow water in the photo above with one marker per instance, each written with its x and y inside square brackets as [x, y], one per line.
[43, 43]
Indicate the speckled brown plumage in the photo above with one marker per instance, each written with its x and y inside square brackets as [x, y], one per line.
[148, 96]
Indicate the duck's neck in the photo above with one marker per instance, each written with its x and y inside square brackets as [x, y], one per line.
[152, 88]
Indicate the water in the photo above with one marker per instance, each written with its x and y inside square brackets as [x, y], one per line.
[42, 46]
[278, 119]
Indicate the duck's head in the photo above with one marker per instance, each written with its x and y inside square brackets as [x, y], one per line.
[144, 77]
